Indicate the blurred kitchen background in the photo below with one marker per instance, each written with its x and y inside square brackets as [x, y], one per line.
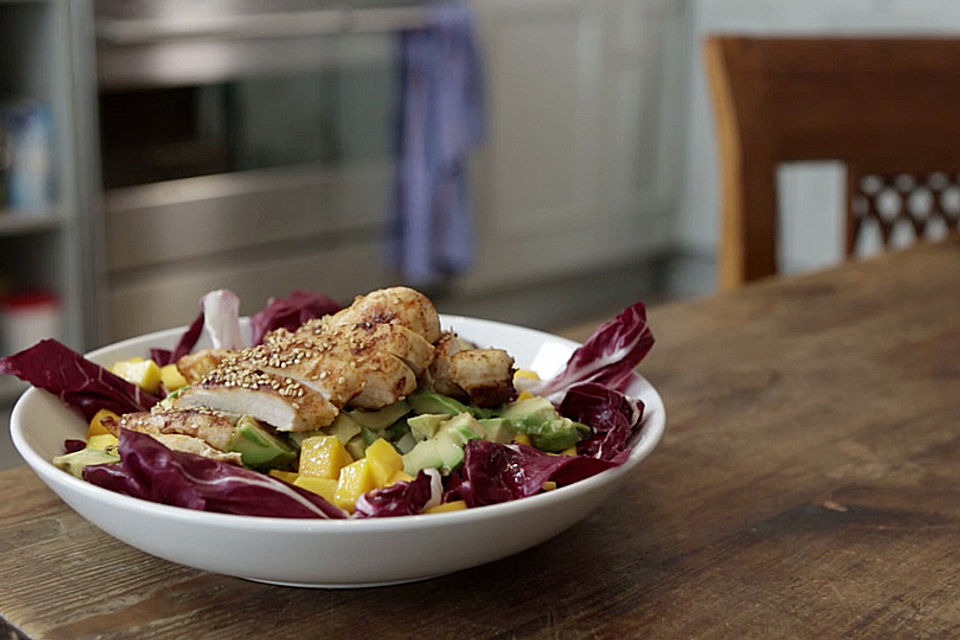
[152, 150]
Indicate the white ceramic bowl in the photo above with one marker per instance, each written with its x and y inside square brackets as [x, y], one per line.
[328, 553]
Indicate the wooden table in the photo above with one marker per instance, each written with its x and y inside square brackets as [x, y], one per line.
[808, 487]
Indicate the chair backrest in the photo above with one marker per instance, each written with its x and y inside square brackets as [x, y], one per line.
[887, 107]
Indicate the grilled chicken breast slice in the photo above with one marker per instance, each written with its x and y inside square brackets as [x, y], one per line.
[277, 400]
[485, 374]
[190, 444]
[194, 366]
[212, 427]
[398, 340]
[438, 376]
[395, 305]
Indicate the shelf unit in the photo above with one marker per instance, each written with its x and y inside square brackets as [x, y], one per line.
[45, 53]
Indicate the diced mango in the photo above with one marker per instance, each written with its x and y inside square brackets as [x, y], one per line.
[384, 461]
[171, 377]
[324, 487]
[355, 480]
[96, 428]
[400, 476]
[526, 373]
[323, 457]
[143, 373]
[524, 395]
[569, 451]
[455, 505]
[286, 476]
[102, 441]
[549, 485]
[522, 438]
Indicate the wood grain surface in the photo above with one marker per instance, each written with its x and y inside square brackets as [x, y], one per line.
[808, 487]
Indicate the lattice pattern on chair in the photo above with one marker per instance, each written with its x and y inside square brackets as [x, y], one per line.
[904, 207]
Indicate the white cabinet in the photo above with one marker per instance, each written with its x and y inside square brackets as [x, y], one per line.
[580, 163]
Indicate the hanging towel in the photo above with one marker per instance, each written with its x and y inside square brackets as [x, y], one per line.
[440, 119]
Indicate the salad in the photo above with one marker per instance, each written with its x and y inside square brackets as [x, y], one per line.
[365, 411]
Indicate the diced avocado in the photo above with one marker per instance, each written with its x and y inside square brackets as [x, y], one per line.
[356, 447]
[496, 430]
[344, 427]
[535, 409]
[537, 418]
[76, 461]
[558, 435]
[397, 430]
[433, 402]
[462, 428]
[369, 436]
[437, 453]
[425, 426]
[381, 418]
[258, 447]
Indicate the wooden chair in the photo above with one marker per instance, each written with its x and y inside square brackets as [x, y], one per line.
[889, 108]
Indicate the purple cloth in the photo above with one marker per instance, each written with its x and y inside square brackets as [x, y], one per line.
[441, 119]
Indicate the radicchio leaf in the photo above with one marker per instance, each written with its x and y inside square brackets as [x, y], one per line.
[186, 344]
[82, 385]
[401, 498]
[493, 473]
[612, 416]
[221, 317]
[290, 312]
[608, 357]
[149, 470]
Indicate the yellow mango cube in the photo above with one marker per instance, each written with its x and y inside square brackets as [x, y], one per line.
[526, 373]
[323, 457]
[143, 373]
[171, 377]
[102, 441]
[286, 476]
[384, 461]
[355, 480]
[323, 487]
[549, 485]
[524, 395]
[455, 505]
[569, 451]
[96, 428]
[400, 476]
[522, 438]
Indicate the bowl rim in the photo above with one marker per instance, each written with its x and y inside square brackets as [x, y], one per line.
[648, 437]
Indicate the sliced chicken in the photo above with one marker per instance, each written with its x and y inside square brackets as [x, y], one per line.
[406, 344]
[483, 375]
[212, 427]
[277, 400]
[189, 444]
[194, 366]
[438, 376]
[309, 362]
[396, 305]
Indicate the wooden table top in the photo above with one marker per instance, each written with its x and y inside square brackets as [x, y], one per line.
[808, 486]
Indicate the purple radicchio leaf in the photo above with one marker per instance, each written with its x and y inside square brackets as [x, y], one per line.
[186, 344]
[608, 357]
[290, 312]
[72, 445]
[82, 385]
[149, 470]
[494, 473]
[401, 498]
[221, 317]
[611, 415]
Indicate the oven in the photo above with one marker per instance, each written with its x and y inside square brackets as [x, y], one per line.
[245, 145]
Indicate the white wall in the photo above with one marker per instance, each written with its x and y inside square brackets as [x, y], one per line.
[811, 194]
